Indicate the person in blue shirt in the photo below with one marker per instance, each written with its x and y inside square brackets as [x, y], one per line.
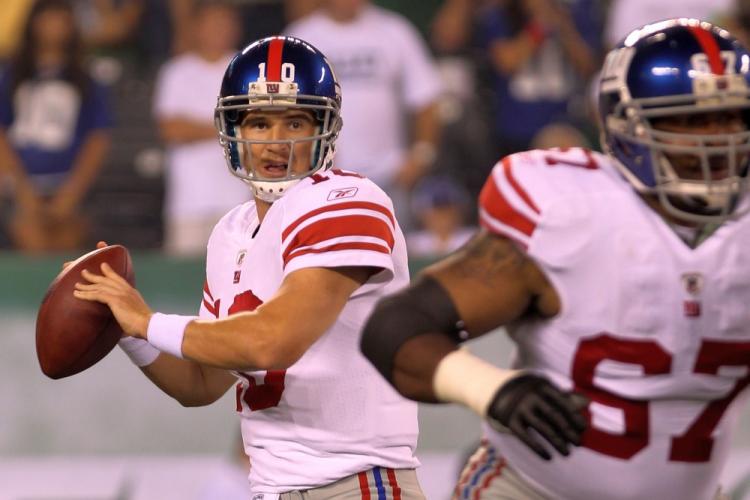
[542, 53]
[54, 130]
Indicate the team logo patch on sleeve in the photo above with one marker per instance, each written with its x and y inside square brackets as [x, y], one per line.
[338, 194]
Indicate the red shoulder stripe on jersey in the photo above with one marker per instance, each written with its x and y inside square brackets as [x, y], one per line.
[495, 204]
[395, 488]
[354, 245]
[206, 290]
[336, 227]
[338, 206]
[275, 48]
[710, 47]
[211, 308]
[516, 186]
[364, 488]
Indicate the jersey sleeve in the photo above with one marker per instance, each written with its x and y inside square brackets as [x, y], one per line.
[209, 308]
[339, 223]
[505, 206]
[545, 201]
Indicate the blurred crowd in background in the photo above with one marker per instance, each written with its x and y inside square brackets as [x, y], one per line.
[106, 106]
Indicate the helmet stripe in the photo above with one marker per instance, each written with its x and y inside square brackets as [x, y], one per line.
[710, 48]
[275, 48]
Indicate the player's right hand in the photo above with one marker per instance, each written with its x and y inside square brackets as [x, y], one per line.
[531, 402]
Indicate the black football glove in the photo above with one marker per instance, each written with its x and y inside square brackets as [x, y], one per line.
[532, 402]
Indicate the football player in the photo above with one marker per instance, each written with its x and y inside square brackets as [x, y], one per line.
[622, 277]
[290, 278]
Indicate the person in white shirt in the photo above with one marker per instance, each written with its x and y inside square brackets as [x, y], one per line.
[392, 87]
[198, 189]
[290, 278]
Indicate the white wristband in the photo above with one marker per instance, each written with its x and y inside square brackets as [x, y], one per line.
[140, 352]
[165, 332]
[463, 378]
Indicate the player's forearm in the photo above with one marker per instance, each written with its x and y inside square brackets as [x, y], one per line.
[415, 363]
[241, 342]
[244, 342]
[186, 381]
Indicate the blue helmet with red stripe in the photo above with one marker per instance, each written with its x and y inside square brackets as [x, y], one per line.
[678, 68]
[278, 73]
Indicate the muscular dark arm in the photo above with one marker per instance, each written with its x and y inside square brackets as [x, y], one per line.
[491, 283]
[412, 337]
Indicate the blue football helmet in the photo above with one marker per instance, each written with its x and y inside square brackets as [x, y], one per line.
[666, 69]
[278, 73]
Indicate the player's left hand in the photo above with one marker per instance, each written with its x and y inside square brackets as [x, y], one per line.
[531, 402]
[127, 305]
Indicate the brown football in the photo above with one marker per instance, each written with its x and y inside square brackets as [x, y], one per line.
[73, 334]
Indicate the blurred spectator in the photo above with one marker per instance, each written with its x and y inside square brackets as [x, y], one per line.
[386, 73]
[467, 149]
[452, 25]
[199, 187]
[258, 18]
[440, 205]
[543, 53]
[105, 23]
[54, 130]
[627, 15]
[559, 135]
[420, 13]
[11, 23]
[737, 21]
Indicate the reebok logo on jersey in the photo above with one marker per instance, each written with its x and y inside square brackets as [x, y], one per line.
[338, 194]
[241, 257]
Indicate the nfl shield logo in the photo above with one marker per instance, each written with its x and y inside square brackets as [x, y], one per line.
[693, 283]
[272, 88]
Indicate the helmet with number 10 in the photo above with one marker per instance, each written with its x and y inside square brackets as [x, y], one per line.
[276, 75]
[673, 103]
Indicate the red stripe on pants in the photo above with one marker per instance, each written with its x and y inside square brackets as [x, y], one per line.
[364, 488]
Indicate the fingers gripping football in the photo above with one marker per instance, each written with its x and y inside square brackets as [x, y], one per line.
[530, 402]
[127, 305]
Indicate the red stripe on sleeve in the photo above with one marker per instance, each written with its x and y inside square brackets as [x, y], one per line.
[275, 48]
[212, 308]
[336, 227]
[338, 206]
[710, 47]
[516, 186]
[206, 290]
[493, 202]
[340, 246]
[394, 484]
[364, 488]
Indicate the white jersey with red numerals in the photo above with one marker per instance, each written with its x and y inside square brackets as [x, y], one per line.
[331, 414]
[655, 333]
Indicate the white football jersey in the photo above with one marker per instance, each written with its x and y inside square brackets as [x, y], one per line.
[331, 414]
[655, 333]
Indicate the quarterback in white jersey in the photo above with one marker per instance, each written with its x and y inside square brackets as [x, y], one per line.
[622, 277]
[290, 279]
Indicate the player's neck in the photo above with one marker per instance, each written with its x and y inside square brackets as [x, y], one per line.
[262, 208]
[693, 233]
